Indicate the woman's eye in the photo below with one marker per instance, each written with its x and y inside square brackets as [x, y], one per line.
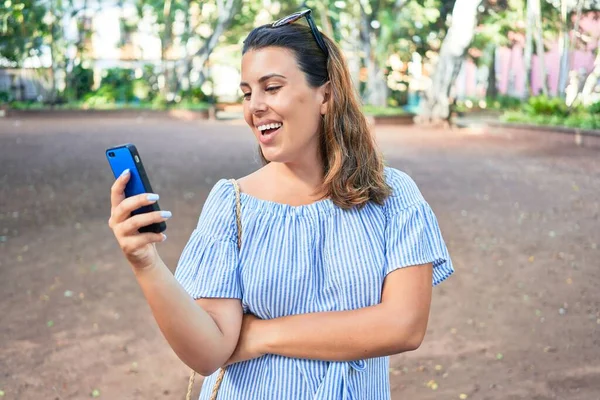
[246, 96]
[273, 88]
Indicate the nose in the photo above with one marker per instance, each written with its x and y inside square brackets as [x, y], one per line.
[257, 104]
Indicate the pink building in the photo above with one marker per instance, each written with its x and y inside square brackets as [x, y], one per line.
[510, 65]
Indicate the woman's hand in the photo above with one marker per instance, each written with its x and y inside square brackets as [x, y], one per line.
[249, 345]
[138, 247]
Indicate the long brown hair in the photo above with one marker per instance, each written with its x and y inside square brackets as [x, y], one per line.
[353, 166]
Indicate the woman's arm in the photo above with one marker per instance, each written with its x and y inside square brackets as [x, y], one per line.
[203, 333]
[396, 325]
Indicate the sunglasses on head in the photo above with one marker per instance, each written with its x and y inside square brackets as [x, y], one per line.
[313, 27]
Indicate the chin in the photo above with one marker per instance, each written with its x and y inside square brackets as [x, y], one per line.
[275, 154]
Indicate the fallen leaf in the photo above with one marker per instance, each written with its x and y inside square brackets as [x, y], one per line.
[432, 385]
[50, 324]
[68, 293]
[499, 356]
[462, 396]
[1, 393]
[569, 281]
[531, 259]
[438, 367]
[134, 367]
[95, 393]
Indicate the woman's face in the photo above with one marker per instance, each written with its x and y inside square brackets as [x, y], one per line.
[282, 110]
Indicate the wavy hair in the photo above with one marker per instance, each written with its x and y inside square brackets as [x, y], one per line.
[353, 166]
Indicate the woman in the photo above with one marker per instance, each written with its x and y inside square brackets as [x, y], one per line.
[319, 295]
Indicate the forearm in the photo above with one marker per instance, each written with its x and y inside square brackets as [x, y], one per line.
[343, 335]
[190, 331]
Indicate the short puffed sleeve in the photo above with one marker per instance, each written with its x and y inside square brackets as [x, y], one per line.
[208, 265]
[412, 233]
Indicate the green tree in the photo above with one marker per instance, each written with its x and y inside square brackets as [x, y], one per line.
[23, 29]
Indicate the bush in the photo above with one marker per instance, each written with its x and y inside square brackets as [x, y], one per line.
[105, 95]
[503, 102]
[121, 80]
[383, 111]
[195, 95]
[583, 120]
[542, 105]
[81, 82]
[5, 97]
[594, 108]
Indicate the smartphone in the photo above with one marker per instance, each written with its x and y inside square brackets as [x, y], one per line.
[126, 156]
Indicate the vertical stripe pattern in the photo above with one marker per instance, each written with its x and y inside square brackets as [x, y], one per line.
[312, 258]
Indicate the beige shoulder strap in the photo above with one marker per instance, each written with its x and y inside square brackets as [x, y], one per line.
[238, 220]
[238, 210]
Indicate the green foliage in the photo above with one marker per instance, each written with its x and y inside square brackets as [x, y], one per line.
[4, 97]
[397, 98]
[542, 105]
[383, 111]
[582, 119]
[82, 80]
[595, 108]
[105, 95]
[195, 95]
[504, 102]
[22, 29]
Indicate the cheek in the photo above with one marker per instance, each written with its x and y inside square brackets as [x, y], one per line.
[247, 114]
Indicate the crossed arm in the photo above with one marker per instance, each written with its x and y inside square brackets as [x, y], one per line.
[210, 333]
[395, 325]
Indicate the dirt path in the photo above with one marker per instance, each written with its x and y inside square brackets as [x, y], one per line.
[519, 320]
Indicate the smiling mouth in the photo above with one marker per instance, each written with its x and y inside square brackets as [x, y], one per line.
[269, 131]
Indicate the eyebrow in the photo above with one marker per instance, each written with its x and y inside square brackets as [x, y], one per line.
[264, 78]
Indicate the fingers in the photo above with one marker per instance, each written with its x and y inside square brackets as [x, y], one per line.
[124, 209]
[131, 225]
[131, 244]
[117, 191]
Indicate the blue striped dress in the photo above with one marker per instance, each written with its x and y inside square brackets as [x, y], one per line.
[305, 259]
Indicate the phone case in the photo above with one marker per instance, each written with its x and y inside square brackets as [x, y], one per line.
[126, 156]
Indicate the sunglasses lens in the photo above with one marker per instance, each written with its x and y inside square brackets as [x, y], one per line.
[295, 17]
[288, 20]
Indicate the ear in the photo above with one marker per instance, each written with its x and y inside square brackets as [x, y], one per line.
[326, 94]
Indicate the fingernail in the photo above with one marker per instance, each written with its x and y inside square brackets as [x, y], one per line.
[152, 197]
[166, 214]
[126, 172]
[164, 237]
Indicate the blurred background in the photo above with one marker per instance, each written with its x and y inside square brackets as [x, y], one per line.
[491, 106]
[429, 57]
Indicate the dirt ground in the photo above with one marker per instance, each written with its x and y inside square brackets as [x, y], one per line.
[520, 319]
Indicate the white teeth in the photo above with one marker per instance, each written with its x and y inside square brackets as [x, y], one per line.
[269, 126]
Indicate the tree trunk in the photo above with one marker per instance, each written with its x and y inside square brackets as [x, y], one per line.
[540, 48]
[225, 15]
[563, 44]
[436, 105]
[376, 87]
[528, 51]
[165, 41]
[592, 80]
[186, 82]
[492, 89]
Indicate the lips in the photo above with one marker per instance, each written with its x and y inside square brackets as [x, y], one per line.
[267, 136]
